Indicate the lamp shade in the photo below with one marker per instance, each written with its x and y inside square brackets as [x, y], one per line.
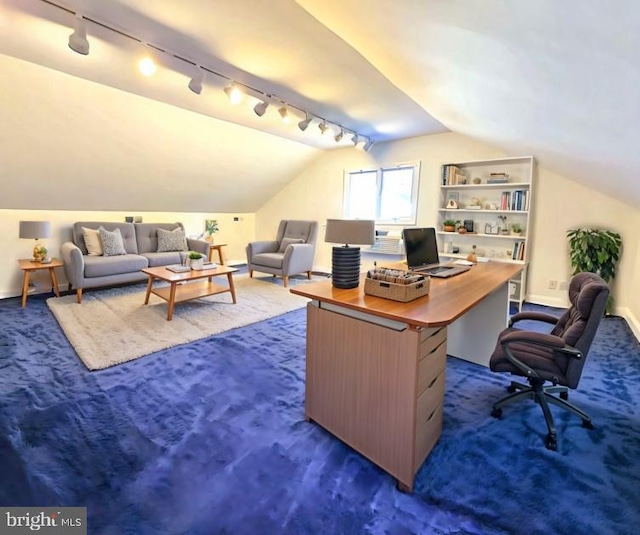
[35, 230]
[351, 231]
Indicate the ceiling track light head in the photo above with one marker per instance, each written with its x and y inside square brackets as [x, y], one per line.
[368, 145]
[260, 108]
[304, 124]
[196, 81]
[355, 139]
[323, 127]
[339, 135]
[78, 41]
[284, 113]
[234, 93]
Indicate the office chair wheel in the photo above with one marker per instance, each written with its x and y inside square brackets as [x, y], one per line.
[564, 395]
[496, 413]
[551, 443]
[587, 423]
[511, 388]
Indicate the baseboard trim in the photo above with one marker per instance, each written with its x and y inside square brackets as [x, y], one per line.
[556, 302]
[631, 320]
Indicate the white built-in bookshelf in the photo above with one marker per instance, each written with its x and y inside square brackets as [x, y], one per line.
[491, 196]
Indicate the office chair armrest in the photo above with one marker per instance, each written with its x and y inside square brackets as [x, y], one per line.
[535, 316]
[529, 338]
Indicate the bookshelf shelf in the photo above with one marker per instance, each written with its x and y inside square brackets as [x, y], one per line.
[501, 204]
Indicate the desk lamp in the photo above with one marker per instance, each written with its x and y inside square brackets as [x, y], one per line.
[34, 230]
[345, 260]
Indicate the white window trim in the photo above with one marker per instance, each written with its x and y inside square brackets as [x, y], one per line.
[411, 220]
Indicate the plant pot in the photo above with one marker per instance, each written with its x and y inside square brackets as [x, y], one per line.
[449, 228]
[196, 263]
[209, 238]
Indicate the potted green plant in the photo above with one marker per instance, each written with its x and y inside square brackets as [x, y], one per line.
[449, 225]
[597, 251]
[210, 228]
[196, 260]
[516, 229]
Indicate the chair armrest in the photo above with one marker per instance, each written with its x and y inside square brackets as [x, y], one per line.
[73, 263]
[535, 316]
[258, 247]
[298, 257]
[200, 246]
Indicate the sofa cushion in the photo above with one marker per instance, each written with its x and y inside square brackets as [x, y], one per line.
[126, 229]
[102, 266]
[147, 235]
[112, 243]
[171, 240]
[288, 241]
[164, 259]
[92, 241]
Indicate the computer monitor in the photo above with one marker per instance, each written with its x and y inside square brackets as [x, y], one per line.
[420, 246]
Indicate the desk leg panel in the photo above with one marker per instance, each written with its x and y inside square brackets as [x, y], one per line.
[473, 336]
[361, 382]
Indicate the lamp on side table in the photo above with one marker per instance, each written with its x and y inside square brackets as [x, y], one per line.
[345, 260]
[35, 230]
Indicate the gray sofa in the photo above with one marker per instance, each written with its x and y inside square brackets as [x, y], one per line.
[141, 245]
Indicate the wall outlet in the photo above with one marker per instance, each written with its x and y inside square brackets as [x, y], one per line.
[553, 284]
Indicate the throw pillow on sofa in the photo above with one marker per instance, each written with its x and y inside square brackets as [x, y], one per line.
[288, 241]
[92, 241]
[112, 243]
[172, 240]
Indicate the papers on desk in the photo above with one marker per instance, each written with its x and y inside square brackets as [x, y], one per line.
[463, 263]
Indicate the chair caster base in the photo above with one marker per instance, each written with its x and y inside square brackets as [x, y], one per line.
[564, 395]
[588, 424]
[496, 413]
[511, 388]
[551, 442]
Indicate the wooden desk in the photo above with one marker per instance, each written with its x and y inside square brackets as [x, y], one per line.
[375, 368]
[217, 247]
[27, 266]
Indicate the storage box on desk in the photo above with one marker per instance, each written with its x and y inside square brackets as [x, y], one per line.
[396, 291]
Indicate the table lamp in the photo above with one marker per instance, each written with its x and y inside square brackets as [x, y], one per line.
[34, 230]
[345, 260]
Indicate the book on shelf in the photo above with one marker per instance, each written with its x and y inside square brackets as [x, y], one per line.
[497, 180]
[453, 175]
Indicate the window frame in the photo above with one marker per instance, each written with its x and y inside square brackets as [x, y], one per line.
[415, 188]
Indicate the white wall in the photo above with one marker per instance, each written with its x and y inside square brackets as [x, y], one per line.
[235, 234]
[560, 204]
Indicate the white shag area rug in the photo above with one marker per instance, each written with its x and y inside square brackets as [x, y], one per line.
[114, 325]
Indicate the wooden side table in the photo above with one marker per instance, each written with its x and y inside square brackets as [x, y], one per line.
[28, 265]
[217, 247]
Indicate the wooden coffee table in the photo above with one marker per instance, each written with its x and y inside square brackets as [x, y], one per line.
[188, 285]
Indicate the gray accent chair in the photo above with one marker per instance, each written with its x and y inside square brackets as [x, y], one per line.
[557, 357]
[140, 243]
[291, 252]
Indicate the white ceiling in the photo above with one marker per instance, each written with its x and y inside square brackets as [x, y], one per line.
[558, 80]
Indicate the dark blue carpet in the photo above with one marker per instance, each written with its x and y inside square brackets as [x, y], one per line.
[210, 438]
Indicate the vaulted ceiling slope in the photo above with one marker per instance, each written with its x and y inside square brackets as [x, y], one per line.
[554, 79]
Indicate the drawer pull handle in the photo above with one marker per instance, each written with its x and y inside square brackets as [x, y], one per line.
[434, 381]
[439, 346]
[432, 414]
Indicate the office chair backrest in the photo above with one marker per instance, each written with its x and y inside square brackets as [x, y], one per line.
[588, 294]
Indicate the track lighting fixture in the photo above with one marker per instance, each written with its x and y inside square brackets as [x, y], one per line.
[196, 82]
[78, 39]
[303, 125]
[261, 107]
[234, 93]
[368, 145]
[284, 113]
[147, 66]
[355, 139]
[323, 127]
[339, 135]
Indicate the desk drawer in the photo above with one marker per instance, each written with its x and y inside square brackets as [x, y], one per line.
[430, 340]
[430, 398]
[427, 434]
[430, 367]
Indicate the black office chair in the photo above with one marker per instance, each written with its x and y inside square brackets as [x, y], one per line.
[557, 357]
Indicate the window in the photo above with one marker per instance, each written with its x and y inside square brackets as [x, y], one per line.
[389, 194]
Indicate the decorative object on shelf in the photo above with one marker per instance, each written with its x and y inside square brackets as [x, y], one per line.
[449, 225]
[210, 228]
[475, 204]
[472, 256]
[453, 200]
[477, 180]
[468, 225]
[597, 251]
[504, 227]
[516, 229]
[196, 260]
[462, 230]
[345, 260]
[35, 230]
